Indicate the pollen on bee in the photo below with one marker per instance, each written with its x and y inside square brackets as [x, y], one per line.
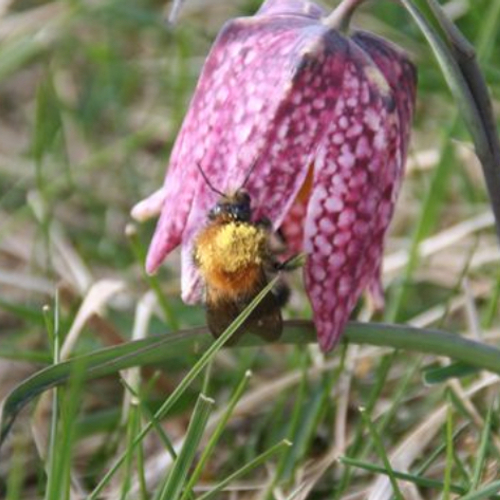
[231, 247]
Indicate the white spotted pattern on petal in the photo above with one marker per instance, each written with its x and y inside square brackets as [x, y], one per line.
[345, 227]
[221, 131]
[279, 92]
[295, 79]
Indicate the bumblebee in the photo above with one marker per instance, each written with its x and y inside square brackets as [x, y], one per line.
[235, 259]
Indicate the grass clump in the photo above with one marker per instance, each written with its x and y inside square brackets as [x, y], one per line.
[91, 97]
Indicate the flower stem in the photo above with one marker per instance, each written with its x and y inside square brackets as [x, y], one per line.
[341, 16]
[459, 65]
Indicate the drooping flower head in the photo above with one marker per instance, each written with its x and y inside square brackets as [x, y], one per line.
[323, 121]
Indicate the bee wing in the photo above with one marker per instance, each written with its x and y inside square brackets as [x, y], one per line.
[220, 314]
[265, 320]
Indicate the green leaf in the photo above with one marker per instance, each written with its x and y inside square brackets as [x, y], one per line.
[256, 462]
[99, 364]
[48, 119]
[214, 438]
[458, 63]
[175, 482]
[449, 451]
[485, 492]
[443, 373]
[482, 452]
[419, 480]
[17, 53]
[204, 360]
[159, 350]
[379, 447]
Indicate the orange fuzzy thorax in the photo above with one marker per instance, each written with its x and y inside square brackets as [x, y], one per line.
[230, 257]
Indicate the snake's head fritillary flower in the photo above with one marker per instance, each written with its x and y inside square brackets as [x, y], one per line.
[322, 120]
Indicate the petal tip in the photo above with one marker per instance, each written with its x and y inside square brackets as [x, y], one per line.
[149, 207]
[156, 255]
[328, 340]
[151, 266]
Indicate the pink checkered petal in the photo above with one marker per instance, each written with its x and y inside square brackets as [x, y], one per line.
[281, 76]
[295, 130]
[399, 72]
[300, 7]
[239, 92]
[292, 228]
[401, 76]
[149, 207]
[278, 92]
[191, 282]
[352, 199]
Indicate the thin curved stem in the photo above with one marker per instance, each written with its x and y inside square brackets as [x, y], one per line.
[341, 16]
[461, 70]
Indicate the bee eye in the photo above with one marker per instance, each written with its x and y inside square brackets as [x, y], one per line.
[214, 212]
[242, 212]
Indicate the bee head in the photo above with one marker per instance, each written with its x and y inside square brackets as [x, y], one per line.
[235, 207]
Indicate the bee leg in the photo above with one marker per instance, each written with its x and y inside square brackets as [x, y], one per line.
[292, 263]
[281, 293]
[281, 237]
[264, 223]
[277, 242]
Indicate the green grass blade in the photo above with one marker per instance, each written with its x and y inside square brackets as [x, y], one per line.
[187, 380]
[485, 492]
[470, 91]
[359, 445]
[399, 394]
[491, 311]
[53, 481]
[485, 42]
[101, 363]
[133, 423]
[162, 349]
[246, 469]
[141, 470]
[148, 414]
[28, 356]
[481, 453]
[30, 314]
[428, 217]
[436, 453]
[288, 458]
[416, 479]
[304, 428]
[214, 438]
[177, 477]
[17, 471]
[439, 375]
[59, 480]
[17, 53]
[449, 451]
[451, 72]
[48, 123]
[379, 446]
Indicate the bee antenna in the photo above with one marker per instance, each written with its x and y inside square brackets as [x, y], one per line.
[251, 169]
[209, 184]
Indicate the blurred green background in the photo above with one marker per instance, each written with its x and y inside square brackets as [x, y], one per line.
[92, 94]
